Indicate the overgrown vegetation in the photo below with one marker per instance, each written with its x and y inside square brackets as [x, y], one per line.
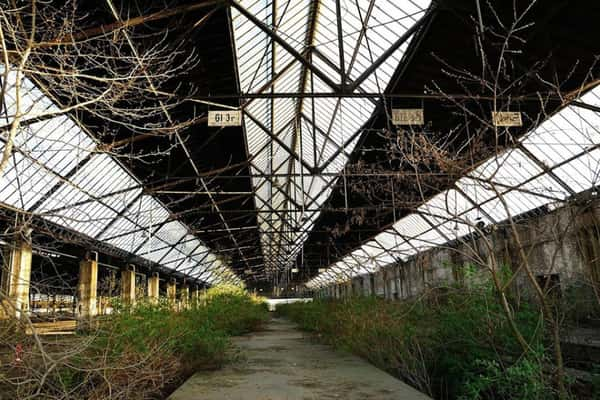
[137, 353]
[454, 342]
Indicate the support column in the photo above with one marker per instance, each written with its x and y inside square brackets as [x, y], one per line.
[172, 293]
[196, 297]
[128, 286]
[87, 288]
[153, 290]
[184, 296]
[16, 276]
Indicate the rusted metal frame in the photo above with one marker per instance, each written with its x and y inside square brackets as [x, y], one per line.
[586, 106]
[279, 141]
[283, 43]
[401, 40]
[192, 254]
[545, 168]
[120, 214]
[474, 203]
[363, 30]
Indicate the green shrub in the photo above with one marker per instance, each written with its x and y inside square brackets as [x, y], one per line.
[198, 335]
[522, 380]
[453, 342]
[139, 352]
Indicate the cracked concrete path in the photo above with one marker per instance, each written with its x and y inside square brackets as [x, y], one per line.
[279, 363]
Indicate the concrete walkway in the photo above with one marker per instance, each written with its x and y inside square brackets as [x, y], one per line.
[280, 364]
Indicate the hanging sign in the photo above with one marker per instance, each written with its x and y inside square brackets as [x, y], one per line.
[507, 118]
[294, 270]
[225, 118]
[407, 116]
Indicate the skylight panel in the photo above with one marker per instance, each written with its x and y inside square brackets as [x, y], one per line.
[144, 212]
[23, 182]
[93, 198]
[411, 226]
[581, 173]
[172, 232]
[53, 171]
[32, 101]
[57, 143]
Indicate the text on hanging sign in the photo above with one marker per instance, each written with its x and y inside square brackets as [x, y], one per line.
[507, 118]
[407, 116]
[225, 118]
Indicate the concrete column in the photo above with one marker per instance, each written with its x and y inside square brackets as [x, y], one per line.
[384, 279]
[196, 297]
[172, 293]
[153, 290]
[128, 286]
[87, 288]
[184, 296]
[16, 276]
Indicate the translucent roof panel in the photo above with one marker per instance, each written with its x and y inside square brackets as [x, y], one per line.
[58, 143]
[135, 224]
[33, 103]
[24, 182]
[95, 195]
[172, 232]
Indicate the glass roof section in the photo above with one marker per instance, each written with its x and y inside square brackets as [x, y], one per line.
[556, 160]
[299, 145]
[57, 172]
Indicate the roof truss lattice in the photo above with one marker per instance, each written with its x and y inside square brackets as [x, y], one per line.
[298, 145]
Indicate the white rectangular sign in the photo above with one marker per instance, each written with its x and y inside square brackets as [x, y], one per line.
[321, 270]
[294, 270]
[225, 118]
[507, 118]
[407, 116]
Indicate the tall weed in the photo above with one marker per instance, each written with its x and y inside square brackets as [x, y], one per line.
[452, 342]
